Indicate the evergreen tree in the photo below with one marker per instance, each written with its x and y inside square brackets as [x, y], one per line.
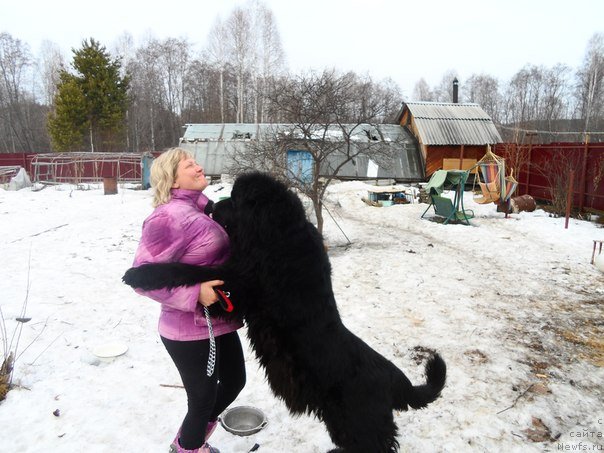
[90, 105]
[68, 124]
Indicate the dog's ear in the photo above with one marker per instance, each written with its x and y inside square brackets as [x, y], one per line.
[209, 208]
[223, 213]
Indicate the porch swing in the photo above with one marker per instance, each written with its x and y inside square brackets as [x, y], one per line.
[495, 186]
[491, 168]
[508, 190]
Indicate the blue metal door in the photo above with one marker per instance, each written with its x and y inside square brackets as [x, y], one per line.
[300, 165]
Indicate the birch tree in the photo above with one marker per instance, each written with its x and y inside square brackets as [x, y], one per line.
[444, 91]
[15, 71]
[590, 83]
[242, 54]
[422, 91]
[555, 94]
[145, 101]
[483, 89]
[271, 58]
[218, 49]
[518, 98]
[52, 62]
[174, 57]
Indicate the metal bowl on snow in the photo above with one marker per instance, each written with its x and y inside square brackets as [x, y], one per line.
[243, 420]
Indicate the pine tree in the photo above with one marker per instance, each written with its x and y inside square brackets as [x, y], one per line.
[90, 105]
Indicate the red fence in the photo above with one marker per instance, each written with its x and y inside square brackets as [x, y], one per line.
[543, 171]
[20, 159]
[80, 167]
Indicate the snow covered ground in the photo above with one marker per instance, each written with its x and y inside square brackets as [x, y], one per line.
[513, 305]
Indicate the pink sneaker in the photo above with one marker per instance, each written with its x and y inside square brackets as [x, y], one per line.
[205, 448]
[210, 429]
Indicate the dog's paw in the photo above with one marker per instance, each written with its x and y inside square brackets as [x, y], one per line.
[138, 278]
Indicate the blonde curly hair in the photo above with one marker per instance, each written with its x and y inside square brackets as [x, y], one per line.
[163, 173]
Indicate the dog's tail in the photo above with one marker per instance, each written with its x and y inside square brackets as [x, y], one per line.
[418, 396]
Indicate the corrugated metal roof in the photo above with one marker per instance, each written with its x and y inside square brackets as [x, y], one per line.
[214, 145]
[452, 124]
[244, 131]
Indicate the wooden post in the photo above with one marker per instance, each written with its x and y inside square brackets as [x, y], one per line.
[461, 158]
[583, 173]
[110, 186]
[593, 255]
[528, 165]
[569, 196]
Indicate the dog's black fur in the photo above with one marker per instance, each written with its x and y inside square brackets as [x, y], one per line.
[279, 277]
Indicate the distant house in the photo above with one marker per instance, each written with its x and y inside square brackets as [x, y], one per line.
[214, 146]
[450, 135]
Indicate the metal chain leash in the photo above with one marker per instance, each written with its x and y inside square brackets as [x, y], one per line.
[212, 355]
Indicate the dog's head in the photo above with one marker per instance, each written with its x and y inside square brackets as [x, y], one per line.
[260, 207]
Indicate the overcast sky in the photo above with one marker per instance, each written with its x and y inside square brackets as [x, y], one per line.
[403, 40]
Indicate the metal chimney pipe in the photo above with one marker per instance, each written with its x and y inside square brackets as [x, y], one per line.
[455, 90]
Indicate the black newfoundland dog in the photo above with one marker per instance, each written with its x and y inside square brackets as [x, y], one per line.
[279, 278]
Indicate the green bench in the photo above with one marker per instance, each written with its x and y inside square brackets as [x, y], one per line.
[443, 207]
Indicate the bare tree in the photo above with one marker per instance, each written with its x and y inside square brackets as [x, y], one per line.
[15, 102]
[483, 89]
[124, 48]
[597, 173]
[146, 95]
[331, 119]
[198, 92]
[538, 97]
[518, 97]
[160, 72]
[52, 61]
[241, 52]
[271, 58]
[218, 52]
[422, 91]
[248, 42]
[174, 57]
[557, 172]
[555, 92]
[590, 77]
[444, 91]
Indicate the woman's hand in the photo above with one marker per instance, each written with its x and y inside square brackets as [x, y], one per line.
[207, 296]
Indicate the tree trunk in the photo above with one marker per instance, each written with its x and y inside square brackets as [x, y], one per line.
[256, 99]
[318, 207]
[152, 130]
[240, 97]
[221, 95]
[91, 141]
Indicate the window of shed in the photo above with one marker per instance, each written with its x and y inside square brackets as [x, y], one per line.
[241, 135]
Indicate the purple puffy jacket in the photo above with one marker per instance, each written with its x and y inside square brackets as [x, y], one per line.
[180, 231]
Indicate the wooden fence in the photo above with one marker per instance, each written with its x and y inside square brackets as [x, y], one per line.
[76, 167]
[544, 171]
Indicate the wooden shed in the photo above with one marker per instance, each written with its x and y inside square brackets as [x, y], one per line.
[451, 136]
[214, 147]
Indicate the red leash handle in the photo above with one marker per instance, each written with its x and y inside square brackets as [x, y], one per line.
[223, 300]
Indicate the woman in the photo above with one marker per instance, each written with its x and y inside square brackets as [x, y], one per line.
[206, 351]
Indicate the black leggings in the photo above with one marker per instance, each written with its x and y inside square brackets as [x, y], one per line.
[207, 396]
